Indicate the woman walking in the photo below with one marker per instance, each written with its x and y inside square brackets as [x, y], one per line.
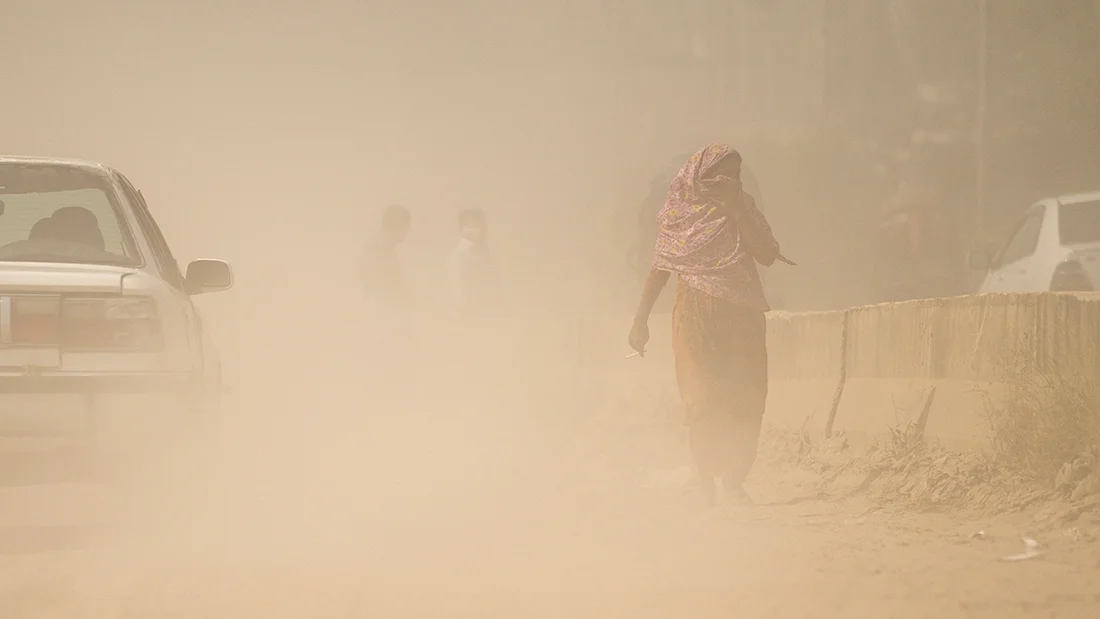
[711, 235]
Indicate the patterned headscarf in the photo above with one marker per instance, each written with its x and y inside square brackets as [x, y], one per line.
[698, 237]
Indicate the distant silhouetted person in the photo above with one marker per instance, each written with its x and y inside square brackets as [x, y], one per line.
[389, 346]
[472, 270]
[383, 280]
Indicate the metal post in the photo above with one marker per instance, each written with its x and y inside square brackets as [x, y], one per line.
[833, 78]
[980, 122]
[742, 51]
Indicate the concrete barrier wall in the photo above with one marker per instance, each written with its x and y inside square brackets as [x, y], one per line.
[936, 366]
[932, 366]
[804, 380]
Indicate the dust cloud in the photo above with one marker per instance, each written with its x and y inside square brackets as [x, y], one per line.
[272, 135]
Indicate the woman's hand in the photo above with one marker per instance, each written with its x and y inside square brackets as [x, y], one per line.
[639, 333]
[639, 337]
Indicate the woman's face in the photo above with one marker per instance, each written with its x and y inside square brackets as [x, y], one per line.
[729, 167]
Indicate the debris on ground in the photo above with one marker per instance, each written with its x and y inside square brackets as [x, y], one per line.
[1031, 551]
[1079, 535]
[908, 472]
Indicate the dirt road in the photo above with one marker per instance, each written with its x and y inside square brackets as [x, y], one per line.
[312, 506]
[526, 541]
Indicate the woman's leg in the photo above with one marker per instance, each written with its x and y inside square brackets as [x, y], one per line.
[701, 436]
[744, 438]
[703, 420]
[696, 393]
[748, 390]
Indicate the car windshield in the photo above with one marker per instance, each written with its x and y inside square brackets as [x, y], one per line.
[60, 213]
[1079, 223]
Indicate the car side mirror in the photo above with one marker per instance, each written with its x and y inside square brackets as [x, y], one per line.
[979, 260]
[205, 276]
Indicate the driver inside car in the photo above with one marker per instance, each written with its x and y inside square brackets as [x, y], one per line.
[73, 224]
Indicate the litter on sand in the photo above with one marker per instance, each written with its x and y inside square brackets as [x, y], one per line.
[1031, 551]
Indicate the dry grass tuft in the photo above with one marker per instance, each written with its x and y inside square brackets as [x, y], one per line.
[1045, 422]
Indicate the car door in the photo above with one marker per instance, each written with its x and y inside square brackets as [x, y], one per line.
[1015, 267]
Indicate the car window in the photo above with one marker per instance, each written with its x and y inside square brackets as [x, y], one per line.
[166, 262]
[1024, 241]
[56, 213]
[1079, 223]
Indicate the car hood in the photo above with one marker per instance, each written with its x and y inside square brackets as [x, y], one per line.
[38, 277]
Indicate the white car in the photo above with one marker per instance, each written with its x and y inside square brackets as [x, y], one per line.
[1054, 248]
[94, 311]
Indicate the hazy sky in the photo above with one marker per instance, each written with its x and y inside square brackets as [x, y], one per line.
[296, 122]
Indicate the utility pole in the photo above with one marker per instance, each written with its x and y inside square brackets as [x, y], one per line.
[834, 77]
[980, 122]
[741, 49]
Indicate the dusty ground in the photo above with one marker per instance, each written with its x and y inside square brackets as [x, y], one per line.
[814, 559]
[463, 514]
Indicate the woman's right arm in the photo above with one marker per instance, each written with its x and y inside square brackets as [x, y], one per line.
[639, 333]
[654, 284]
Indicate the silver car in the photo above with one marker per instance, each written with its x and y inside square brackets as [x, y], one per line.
[95, 315]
